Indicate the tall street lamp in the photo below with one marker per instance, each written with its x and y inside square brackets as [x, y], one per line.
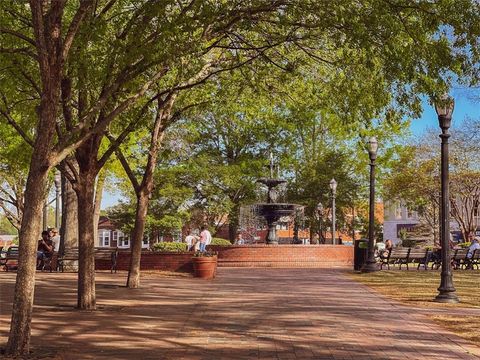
[370, 265]
[58, 183]
[446, 291]
[333, 187]
[320, 213]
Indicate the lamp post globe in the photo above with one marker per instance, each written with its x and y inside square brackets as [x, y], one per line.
[370, 264]
[446, 291]
[333, 187]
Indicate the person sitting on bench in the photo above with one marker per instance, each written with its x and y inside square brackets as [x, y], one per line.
[45, 249]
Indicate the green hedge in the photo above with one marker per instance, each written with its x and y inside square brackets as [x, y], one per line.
[170, 247]
[220, 241]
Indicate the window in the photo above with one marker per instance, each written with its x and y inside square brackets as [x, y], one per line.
[410, 214]
[476, 209]
[398, 210]
[123, 240]
[104, 237]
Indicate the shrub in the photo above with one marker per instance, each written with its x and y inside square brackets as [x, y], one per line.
[220, 241]
[205, 253]
[169, 247]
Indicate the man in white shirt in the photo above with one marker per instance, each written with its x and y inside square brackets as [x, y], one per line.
[190, 239]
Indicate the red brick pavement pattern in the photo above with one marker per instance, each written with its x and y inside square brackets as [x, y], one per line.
[243, 314]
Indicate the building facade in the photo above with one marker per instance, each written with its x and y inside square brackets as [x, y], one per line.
[110, 236]
[397, 217]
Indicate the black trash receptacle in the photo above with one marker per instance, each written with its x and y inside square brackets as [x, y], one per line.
[360, 253]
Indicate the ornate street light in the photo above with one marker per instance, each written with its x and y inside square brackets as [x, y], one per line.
[320, 213]
[370, 265]
[446, 292]
[333, 187]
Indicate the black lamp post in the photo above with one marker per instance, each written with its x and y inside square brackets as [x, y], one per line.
[320, 213]
[333, 187]
[446, 291]
[370, 265]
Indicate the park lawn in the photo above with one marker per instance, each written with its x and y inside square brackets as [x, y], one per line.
[418, 288]
[466, 327]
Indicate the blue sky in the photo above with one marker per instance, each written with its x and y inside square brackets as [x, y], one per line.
[465, 106]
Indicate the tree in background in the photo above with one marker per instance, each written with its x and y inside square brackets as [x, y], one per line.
[414, 179]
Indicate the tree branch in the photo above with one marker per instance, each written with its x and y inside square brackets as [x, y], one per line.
[62, 149]
[85, 6]
[17, 35]
[127, 168]
[16, 126]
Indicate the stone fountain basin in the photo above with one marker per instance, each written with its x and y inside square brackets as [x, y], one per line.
[275, 209]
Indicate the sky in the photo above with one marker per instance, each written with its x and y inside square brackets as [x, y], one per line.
[465, 106]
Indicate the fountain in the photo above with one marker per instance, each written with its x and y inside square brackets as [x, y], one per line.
[272, 211]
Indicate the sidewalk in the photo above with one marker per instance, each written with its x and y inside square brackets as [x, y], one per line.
[243, 314]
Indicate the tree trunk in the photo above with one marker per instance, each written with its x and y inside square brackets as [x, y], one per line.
[133, 280]
[69, 229]
[145, 188]
[19, 338]
[98, 202]
[86, 262]
[234, 220]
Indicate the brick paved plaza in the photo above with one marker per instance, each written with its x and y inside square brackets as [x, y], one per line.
[243, 314]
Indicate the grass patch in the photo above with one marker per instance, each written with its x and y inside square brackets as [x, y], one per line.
[420, 287]
[464, 327]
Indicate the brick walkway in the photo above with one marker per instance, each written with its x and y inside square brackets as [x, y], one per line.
[243, 314]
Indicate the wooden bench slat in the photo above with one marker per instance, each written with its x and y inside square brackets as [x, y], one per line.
[99, 254]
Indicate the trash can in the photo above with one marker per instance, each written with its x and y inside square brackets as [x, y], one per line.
[360, 253]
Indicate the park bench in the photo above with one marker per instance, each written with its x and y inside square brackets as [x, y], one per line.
[10, 256]
[459, 259]
[71, 254]
[419, 256]
[396, 256]
[475, 259]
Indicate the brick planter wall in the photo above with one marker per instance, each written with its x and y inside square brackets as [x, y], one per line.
[152, 261]
[285, 256]
[276, 256]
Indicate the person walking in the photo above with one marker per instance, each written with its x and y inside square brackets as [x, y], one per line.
[190, 239]
[205, 238]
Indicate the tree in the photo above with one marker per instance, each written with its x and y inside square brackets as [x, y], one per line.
[415, 179]
[117, 50]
